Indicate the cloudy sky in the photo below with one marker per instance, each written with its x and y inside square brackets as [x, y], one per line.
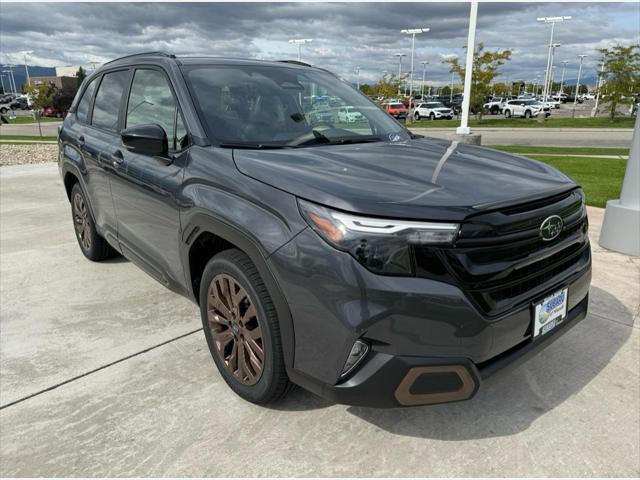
[345, 35]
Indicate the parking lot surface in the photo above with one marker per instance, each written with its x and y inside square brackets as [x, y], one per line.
[104, 372]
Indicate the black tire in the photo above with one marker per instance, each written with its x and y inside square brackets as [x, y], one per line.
[3, 110]
[527, 114]
[417, 116]
[432, 116]
[92, 245]
[494, 110]
[507, 113]
[273, 382]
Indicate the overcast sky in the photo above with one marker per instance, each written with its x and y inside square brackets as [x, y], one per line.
[344, 34]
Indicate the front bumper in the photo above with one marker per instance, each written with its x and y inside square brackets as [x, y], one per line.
[386, 381]
[409, 322]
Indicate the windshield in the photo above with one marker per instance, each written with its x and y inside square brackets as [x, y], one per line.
[278, 106]
[435, 105]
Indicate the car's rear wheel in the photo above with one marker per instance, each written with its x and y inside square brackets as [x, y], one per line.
[507, 113]
[527, 114]
[494, 110]
[242, 329]
[417, 115]
[93, 246]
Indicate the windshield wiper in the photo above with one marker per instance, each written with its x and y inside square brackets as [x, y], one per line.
[320, 138]
[252, 146]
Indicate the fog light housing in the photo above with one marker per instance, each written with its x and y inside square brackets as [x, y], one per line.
[356, 355]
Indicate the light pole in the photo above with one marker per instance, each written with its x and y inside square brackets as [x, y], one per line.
[300, 42]
[564, 65]
[413, 32]
[357, 72]
[4, 90]
[594, 112]
[424, 72]
[552, 21]
[575, 96]
[451, 89]
[12, 81]
[553, 54]
[464, 129]
[399, 55]
[26, 68]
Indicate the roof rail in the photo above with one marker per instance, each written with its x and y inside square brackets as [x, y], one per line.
[143, 54]
[296, 62]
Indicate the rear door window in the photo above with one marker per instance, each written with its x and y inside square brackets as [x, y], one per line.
[108, 99]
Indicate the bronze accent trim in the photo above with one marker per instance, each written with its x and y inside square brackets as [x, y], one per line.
[405, 397]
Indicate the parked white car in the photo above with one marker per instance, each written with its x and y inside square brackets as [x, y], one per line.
[551, 103]
[523, 108]
[495, 105]
[349, 114]
[432, 111]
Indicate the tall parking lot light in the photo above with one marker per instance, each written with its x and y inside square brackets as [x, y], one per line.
[300, 42]
[4, 90]
[553, 54]
[564, 65]
[594, 112]
[12, 80]
[552, 21]
[26, 68]
[357, 72]
[399, 55]
[464, 129]
[575, 96]
[451, 89]
[413, 32]
[424, 72]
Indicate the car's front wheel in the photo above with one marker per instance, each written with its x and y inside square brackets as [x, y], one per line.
[93, 246]
[432, 116]
[417, 115]
[527, 114]
[507, 113]
[242, 329]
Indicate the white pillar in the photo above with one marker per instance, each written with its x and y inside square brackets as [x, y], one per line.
[468, 72]
[621, 224]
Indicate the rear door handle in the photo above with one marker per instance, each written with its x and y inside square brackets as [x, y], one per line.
[118, 158]
[81, 140]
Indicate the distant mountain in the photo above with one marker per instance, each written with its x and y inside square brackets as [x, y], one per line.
[21, 77]
[590, 80]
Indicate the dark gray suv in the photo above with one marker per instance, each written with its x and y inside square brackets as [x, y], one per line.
[347, 255]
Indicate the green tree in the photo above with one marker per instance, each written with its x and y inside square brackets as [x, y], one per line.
[388, 85]
[485, 69]
[80, 76]
[621, 70]
[41, 97]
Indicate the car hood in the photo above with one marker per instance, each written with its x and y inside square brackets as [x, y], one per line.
[419, 179]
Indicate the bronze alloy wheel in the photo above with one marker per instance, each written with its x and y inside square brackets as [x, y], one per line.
[81, 221]
[235, 331]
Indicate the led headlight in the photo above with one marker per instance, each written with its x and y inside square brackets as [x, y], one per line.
[382, 245]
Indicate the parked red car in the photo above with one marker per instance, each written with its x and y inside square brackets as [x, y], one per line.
[52, 112]
[396, 110]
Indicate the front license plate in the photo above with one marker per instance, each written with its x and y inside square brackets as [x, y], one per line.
[549, 313]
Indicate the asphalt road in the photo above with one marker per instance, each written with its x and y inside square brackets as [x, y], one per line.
[104, 372]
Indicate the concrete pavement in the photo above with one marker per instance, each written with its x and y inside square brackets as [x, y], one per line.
[106, 373]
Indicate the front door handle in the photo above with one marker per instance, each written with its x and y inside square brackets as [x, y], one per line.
[118, 158]
[81, 140]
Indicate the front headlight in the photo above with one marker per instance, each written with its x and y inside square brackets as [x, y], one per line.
[381, 245]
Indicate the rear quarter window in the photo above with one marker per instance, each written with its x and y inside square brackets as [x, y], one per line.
[82, 111]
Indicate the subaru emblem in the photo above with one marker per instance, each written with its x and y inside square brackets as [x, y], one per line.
[551, 227]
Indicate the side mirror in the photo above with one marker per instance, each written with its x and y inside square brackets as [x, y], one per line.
[146, 140]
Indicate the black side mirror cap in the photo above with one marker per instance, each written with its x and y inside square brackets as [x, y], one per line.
[148, 139]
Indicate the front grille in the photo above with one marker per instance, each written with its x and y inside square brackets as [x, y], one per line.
[500, 260]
